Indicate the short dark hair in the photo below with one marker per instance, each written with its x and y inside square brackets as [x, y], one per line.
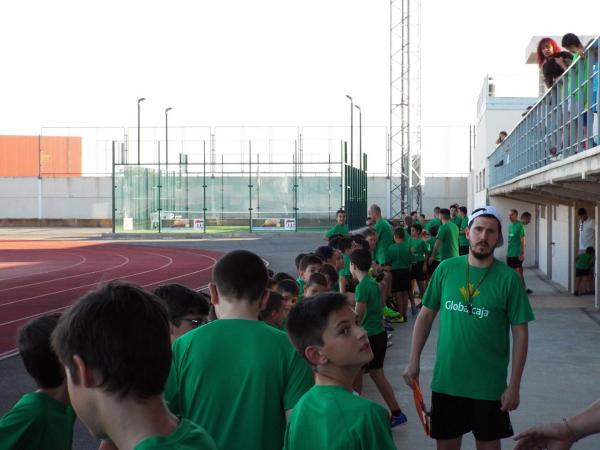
[122, 332]
[181, 301]
[445, 213]
[417, 227]
[369, 232]
[422, 216]
[310, 260]
[581, 211]
[526, 214]
[375, 208]
[274, 303]
[317, 279]
[334, 240]
[340, 211]
[399, 232]
[298, 259]
[308, 319]
[330, 273]
[240, 275]
[436, 209]
[325, 252]
[36, 351]
[344, 244]
[413, 212]
[590, 250]
[513, 210]
[282, 276]
[570, 39]
[463, 209]
[434, 230]
[361, 259]
[289, 286]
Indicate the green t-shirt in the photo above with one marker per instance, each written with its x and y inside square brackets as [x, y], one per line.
[448, 235]
[333, 418]
[37, 421]
[418, 248]
[345, 270]
[300, 283]
[462, 237]
[516, 231]
[385, 238]
[430, 243]
[583, 261]
[399, 256]
[473, 350]
[432, 222]
[337, 229]
[456, 220]
[367, 291]
[187, 436]
[236, 379]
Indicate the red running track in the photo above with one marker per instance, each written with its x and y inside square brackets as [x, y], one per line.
[38, 277]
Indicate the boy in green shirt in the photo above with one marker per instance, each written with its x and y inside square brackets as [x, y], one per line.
[446, 243]
[275, 311]
[369, 311]
[463, 243]
[309, 264]
[345, 277]
[329, 416]
[418, 248]
[42, 419]
[237, 377]
[116, 348]
[340, 228]
[399, 258]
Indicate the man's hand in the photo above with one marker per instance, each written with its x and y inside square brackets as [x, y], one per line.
[411, 372]
[521, 257]
[510, 399]
[553, 436]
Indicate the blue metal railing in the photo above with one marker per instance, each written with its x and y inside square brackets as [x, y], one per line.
[562, 123]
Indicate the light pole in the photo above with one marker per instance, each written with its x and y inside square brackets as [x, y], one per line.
[167, 137]
[360, 157]
[351, 130]
[140, 100]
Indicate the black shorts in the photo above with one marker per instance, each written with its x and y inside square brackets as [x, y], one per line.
[582, 272]
[417, 272]
[463, 250]
[513, 261]
[451, 417]
[400, 280]
[378, 344]
[431, 267]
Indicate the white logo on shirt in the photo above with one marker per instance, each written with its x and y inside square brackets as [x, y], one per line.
[478, 311]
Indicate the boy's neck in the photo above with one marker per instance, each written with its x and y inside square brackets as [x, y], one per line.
[60, 393]
[336, 376]
[238, 309]
[360, 275]
[128, 422]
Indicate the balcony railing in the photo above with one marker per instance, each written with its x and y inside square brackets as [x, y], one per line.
[562, 123]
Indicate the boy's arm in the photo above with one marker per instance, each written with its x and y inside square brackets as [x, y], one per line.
[361, 307]
[434, 250]
[343, 281]
[510, 398]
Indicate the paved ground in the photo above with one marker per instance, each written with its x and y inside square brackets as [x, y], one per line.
[560, 378]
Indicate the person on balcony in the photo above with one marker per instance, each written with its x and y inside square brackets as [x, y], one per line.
[552, 60]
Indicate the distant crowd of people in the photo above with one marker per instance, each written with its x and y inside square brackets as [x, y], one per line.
[276, 360]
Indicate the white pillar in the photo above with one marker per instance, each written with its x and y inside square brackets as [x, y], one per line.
[549, 243]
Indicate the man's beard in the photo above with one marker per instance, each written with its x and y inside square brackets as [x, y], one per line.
[481, 255]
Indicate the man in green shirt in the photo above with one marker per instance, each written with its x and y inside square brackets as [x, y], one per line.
[330, 416]
[446, 242]
[384, 233]
[515, 254]
[478, 299]
[369, 312]
[237, 377]
[435, 220]
[116, 348]
[463, 243]
[42, 419]
[340, 228]
[399, 259]
[454, 216]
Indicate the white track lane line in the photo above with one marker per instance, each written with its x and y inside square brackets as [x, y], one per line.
[83, 259]
[86, 285]
[126, 261]
[186, 274]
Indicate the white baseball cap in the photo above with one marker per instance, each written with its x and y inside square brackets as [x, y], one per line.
[488, 211]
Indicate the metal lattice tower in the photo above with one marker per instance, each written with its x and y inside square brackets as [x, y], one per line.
[404, 151]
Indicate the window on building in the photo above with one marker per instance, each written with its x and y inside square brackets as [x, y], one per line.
[483, 179]
[477, 183]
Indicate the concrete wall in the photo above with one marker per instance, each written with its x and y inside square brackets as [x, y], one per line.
[543, 238]
[55, 198]
[561, 238]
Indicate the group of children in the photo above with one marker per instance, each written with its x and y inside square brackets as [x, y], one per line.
[181, 369]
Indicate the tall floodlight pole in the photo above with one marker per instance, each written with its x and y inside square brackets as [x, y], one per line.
[360, 157]
[351, 130]
[140, 100]
[167, 136]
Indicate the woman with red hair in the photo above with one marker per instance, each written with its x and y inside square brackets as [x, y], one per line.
[552, 61]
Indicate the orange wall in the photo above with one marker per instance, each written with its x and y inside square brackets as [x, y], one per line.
[60, 155]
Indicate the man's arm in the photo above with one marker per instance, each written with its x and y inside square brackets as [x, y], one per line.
[434, 250]
[510, 397]
[361, 307]
[523, 244]
[419, 338]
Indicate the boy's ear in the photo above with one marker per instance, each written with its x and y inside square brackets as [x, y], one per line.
[315, 356]
[84, 374]
[214, 295]
[264, 299]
